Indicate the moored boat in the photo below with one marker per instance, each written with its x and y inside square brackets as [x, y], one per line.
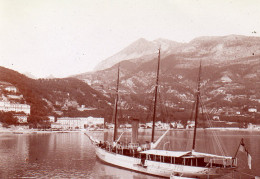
[145, 158]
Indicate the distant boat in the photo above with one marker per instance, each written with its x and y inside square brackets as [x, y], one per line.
[17, 132]
[172, 164]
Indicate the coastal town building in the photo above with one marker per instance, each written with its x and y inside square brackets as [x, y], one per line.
[69, 123]
[7, 106]
[11, 89]
[252, 110]
[84, 108]
[226, 79]
[51, 118]
[253, 126]
[215, 117]
[11, 100]
[18, 97]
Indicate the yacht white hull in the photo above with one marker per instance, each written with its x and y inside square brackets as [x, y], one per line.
[158, 168]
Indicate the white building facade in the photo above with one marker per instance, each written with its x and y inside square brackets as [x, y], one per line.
[6, 106]
[252, 110]
[11, 89]
[77, 122]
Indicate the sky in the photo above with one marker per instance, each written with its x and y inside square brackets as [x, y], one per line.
[67, 37]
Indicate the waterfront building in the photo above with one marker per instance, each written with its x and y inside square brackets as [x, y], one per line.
[68, 123]
[253, 126]
[51, 118]
[56, 125]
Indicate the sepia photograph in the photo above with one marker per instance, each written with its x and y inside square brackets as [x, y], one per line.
[130, 89]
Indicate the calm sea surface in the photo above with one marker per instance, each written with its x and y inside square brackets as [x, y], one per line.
[71, 155]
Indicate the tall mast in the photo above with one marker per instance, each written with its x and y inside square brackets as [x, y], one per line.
[116, 102]
[197, 109]
[155, 95]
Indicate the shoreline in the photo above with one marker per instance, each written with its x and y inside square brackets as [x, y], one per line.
[32, 131]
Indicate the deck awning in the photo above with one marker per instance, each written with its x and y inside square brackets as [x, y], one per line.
[166, 153]
[185, 154]
[198, 154]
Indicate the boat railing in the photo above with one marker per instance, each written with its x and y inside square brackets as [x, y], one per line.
[132, 146]
[234, 162]
[223, 163]
[130, 149]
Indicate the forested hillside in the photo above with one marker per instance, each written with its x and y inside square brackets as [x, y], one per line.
[59, 97]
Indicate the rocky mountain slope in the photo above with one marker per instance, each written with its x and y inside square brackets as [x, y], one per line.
[230, 77]
[216, 48]
[141, 49]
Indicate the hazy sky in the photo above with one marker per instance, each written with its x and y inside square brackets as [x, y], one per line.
[65, 37]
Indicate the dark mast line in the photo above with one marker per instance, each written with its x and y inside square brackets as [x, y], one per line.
[197, 110]
[155, 95]
[116, 102]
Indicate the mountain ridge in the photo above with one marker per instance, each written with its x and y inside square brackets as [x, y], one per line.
[230, 77]
[219, 47]
[141, 48]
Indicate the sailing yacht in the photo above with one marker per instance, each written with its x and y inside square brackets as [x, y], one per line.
[164, 163]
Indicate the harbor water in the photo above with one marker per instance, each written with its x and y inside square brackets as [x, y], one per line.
[71, 155]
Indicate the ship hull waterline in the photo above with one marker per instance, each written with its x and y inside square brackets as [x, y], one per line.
[158, 168]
